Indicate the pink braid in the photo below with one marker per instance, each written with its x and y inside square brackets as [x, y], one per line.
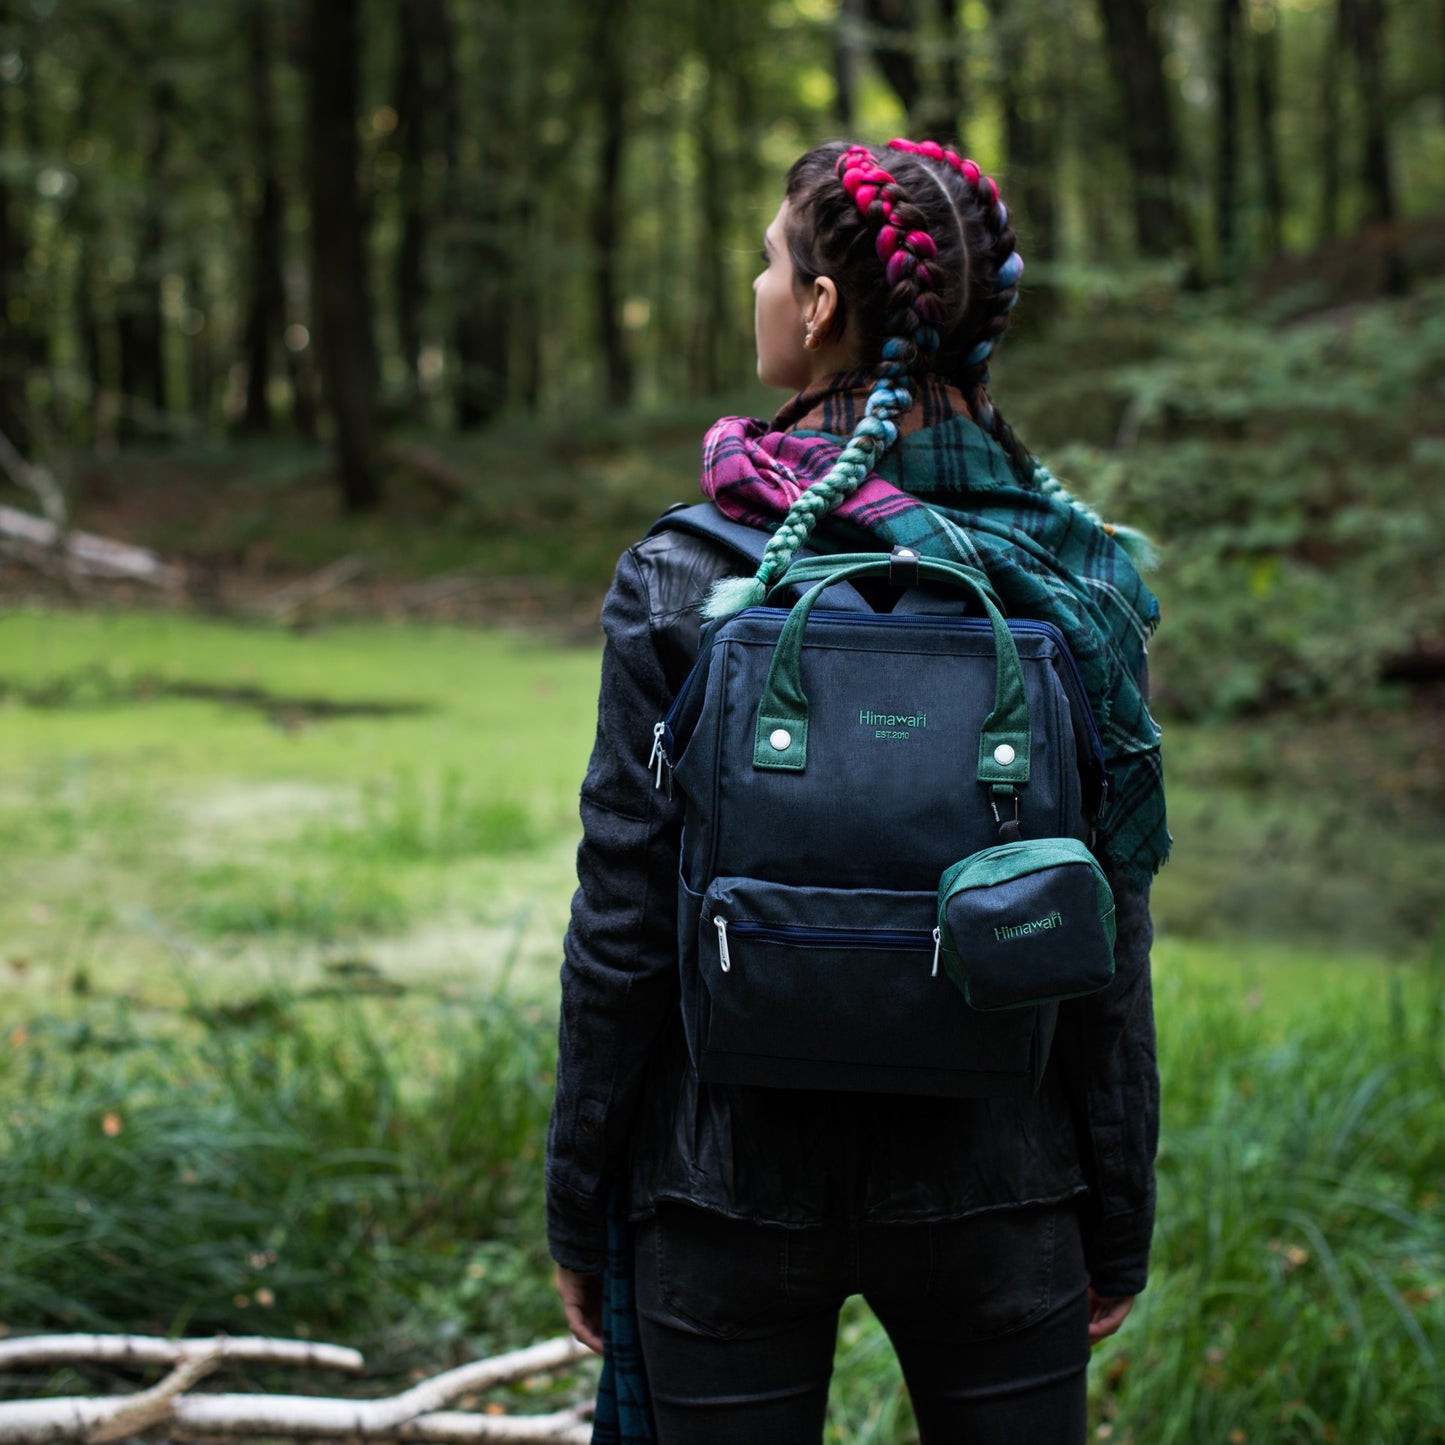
[904, 254]
[969, 170]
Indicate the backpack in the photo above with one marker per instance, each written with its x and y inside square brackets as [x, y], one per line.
[884, 882]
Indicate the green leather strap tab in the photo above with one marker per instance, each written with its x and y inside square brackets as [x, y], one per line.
[1006, 739]
[781, 742]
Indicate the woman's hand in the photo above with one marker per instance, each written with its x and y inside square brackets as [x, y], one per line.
[1105, 1315]
[582, 1302]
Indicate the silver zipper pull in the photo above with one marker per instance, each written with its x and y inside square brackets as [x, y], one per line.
[657, 756]
[724, 957]
[937, 949]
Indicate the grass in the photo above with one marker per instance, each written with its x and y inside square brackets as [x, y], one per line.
[149, 839]
[1300, 1248]
[276, 988]
[1296, 1286]
[303, 1166]
[370, 1170]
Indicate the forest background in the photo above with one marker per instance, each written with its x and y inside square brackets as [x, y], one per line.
[385, 326]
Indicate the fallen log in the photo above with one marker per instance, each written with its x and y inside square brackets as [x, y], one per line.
[167, 1408]
[85, 552]
[30, 1351]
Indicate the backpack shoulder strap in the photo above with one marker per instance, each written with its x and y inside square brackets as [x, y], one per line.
[702, 519]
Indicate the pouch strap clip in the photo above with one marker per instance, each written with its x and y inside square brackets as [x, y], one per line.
[1008, 828]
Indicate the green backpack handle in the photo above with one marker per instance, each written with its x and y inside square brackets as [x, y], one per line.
[781, 738]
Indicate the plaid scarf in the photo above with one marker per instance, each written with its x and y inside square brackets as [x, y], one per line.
[949, 490]
[624, 1403]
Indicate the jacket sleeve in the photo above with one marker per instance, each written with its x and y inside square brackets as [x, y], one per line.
[619, 975]
[1108, 1044]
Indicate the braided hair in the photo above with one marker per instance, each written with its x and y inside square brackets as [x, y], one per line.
[918, 243]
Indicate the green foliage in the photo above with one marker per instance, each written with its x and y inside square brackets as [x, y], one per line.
[1299, 1254]
[1294, 1291]
[1291, 474]
[300, 1168]
[1326, 828]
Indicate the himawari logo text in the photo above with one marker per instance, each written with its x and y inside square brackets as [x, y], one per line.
[1022, 930]
[891, 724]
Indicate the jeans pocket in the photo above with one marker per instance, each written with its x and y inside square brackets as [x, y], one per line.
[1004, 1269]
[717, 1275]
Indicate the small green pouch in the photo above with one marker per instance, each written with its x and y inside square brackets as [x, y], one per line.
[1027, 923]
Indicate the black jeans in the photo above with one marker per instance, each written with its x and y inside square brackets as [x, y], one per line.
[989, 1316]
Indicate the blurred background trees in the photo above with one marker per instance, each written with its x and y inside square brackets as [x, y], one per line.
[355, 216]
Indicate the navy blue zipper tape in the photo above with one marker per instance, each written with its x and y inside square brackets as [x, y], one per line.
[799, 935]
[803, 935]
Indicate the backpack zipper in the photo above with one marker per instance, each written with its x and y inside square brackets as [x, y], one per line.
[658, 757]
[798, 935]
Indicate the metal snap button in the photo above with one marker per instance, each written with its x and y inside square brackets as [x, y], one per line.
[780, 738]
[1003, 755]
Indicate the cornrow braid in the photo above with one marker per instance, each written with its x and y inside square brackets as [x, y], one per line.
[914, 315]
[993, 308]
[986, 315]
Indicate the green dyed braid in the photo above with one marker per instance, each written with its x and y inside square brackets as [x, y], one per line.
[1137, 547]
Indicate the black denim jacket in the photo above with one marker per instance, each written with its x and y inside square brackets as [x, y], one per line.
[629, 1111]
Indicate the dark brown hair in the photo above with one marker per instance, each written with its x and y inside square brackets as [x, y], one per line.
[828, 235]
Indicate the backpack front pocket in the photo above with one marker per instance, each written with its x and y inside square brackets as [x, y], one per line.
[827, 988]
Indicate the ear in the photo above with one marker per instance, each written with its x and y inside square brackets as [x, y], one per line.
[821, 308]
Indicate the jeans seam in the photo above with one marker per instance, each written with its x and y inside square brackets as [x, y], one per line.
[1044, 1299]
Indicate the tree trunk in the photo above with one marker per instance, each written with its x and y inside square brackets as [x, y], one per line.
[39, 298]
[941, 120]
[266, 310]
[14, 421]
[411, 111]
[1377, 174]
[1137, 61]
[1266, 106]
[609, 57]
[1029, 145]
[848, 48]
[340, 293]
[88, 335]
[87, 289]
[1226, 154]
[200, 355]
[1330, 121]
[481, 221]
[895, 18]
[713, 302]
[149, 379]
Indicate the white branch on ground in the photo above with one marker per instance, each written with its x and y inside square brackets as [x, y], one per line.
[416, 1414]
[85, 552]
[32, 1350]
